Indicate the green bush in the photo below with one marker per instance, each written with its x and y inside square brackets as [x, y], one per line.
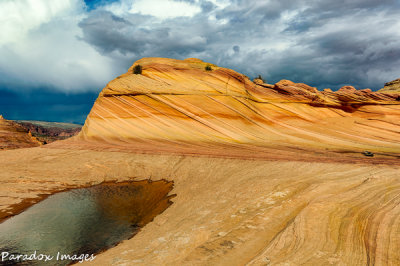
[137, 70]
[259, 77]
[208, 68]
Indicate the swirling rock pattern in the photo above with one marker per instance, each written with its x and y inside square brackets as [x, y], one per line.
[179, 103]
[231, 211]
[298, 191]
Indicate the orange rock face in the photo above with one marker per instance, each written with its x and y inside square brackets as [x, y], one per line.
[14, 136]
[180, 103]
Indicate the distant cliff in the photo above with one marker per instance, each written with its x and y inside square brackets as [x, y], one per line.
[48, 132]
[14, 136]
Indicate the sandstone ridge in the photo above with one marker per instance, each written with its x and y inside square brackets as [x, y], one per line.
[189, 77]
[391, 87]
[180, 103]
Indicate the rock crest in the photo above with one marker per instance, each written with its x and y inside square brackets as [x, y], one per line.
[180, 103]
[392, 87]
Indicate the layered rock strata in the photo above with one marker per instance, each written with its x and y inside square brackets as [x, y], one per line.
[333, 208]
[392, 87]
[180, 103]
[47, 132]
[14, 136]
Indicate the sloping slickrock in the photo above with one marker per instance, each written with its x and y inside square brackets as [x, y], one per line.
[230, 211]
[179, 103]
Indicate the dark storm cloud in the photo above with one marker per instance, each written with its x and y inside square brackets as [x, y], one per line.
[46, 105]
[132, 36]
[323, 43]
[77, 46]
[207, 6]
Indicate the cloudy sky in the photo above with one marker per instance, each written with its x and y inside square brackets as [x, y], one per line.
[57, 55]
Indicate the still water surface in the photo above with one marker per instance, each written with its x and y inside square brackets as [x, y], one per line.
[81, 221]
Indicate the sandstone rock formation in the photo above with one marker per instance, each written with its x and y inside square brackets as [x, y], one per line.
[392, 87]
[229, 211]
[263, 174]
[14, 136]
[179, 103]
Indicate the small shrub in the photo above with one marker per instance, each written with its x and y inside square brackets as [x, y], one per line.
[208, 68]
[368, 153]
[260, 77]
[137, 70]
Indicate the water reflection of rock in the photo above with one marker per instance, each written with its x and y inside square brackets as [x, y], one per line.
[85, 220]
[147, 200]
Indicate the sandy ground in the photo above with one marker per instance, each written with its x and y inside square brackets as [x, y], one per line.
[231, 211]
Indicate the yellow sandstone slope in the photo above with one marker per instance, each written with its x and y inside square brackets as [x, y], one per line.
[177, 104]
[392, 87]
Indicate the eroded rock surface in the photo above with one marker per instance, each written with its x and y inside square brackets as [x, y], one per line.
[14, 136]
[264, 173]
[179, 103]
[392, 87]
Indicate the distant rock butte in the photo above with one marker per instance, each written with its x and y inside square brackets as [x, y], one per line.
[179, 102]
[14, 136]
[47, 132]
